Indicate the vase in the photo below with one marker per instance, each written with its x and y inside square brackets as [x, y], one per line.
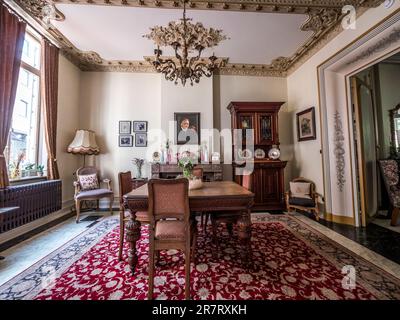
[195, 183]
[139, 173]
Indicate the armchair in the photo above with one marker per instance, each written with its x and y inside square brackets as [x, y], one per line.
[87, 187]
[302, 196]
[390, 174]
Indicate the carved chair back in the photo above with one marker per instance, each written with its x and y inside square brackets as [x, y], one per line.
[169, 198]
[125, 184]
[304, 180]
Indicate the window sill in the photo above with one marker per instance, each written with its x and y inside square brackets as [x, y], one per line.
[27, 180]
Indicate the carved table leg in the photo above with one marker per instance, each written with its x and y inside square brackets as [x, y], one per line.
[132, 228]
[244, 225]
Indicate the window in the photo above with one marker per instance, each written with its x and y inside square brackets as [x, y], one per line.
[24, 150]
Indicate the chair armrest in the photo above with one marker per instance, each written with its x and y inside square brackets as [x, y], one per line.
[108, 181]
[77, 187]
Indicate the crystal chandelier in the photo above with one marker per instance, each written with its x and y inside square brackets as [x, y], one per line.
[188, 41]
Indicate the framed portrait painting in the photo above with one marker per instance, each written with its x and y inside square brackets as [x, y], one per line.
[306, 125]
[125, 127]
[187, 127]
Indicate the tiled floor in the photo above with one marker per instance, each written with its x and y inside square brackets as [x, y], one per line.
[377, 236]
[21, 256]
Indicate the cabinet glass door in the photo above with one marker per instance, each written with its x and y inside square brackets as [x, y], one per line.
[246, 122]
[266, 129]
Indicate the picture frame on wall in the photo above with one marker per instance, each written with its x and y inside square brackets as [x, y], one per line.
[306, 125]
[139, 126]
[125, 127]
[187, 127]
[125, 140]
[141, 140]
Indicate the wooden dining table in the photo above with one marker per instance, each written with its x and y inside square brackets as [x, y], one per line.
[214, 197]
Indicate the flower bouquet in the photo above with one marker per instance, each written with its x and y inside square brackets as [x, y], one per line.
[187, 163]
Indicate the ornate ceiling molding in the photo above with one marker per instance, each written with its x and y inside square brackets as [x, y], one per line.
[272, 6]
[324, 17]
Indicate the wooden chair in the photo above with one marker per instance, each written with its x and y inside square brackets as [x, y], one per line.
[307, 201]
[170, 224]
[87, 188]
[229, 218]
[125, 186]
[390, 173]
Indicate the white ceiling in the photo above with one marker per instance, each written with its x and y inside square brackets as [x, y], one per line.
[116, 32]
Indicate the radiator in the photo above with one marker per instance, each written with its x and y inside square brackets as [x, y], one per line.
[30, 202]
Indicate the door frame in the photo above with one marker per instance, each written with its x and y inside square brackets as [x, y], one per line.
[334, 96]
[355, 84]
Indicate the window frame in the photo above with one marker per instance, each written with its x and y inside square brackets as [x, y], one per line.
[40, 129]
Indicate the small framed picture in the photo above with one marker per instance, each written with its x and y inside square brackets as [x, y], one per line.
[125, 127]
[306, 125]
[140, 126]
[125, 141]
[141, 140]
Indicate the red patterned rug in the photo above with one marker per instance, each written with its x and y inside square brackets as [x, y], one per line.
[289, 261]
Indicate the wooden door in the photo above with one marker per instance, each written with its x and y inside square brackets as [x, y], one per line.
[271, 188]
[365, 141]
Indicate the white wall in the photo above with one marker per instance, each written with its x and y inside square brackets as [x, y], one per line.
[67, 123]
[108, 97]
[196, 98]
[303, 92]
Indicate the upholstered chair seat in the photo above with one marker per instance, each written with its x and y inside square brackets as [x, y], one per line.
[172, 229]
[94, 193]
[304, 202]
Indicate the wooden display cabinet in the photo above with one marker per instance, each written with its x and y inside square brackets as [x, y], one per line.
[268, 175]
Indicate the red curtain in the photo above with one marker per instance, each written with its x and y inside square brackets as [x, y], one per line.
[12, 32]
[49, 90]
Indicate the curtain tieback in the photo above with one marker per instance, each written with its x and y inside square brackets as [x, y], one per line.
[53, 159]
[2, 156]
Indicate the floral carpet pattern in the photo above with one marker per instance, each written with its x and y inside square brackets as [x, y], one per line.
[290, 260]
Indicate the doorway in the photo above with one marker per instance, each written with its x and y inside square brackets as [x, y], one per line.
[373, 95]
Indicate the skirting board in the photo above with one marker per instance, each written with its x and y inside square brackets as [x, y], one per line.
[338, 219]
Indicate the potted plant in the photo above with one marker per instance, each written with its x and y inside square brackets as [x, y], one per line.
[40, 169]
[30, 170]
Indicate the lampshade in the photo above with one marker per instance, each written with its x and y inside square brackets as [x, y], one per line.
[84, 143]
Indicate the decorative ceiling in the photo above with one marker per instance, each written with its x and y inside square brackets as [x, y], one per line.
[267, 37]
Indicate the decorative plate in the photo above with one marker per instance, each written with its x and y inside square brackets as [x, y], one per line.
[245, 154]
[259, 153]
[274, 153]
